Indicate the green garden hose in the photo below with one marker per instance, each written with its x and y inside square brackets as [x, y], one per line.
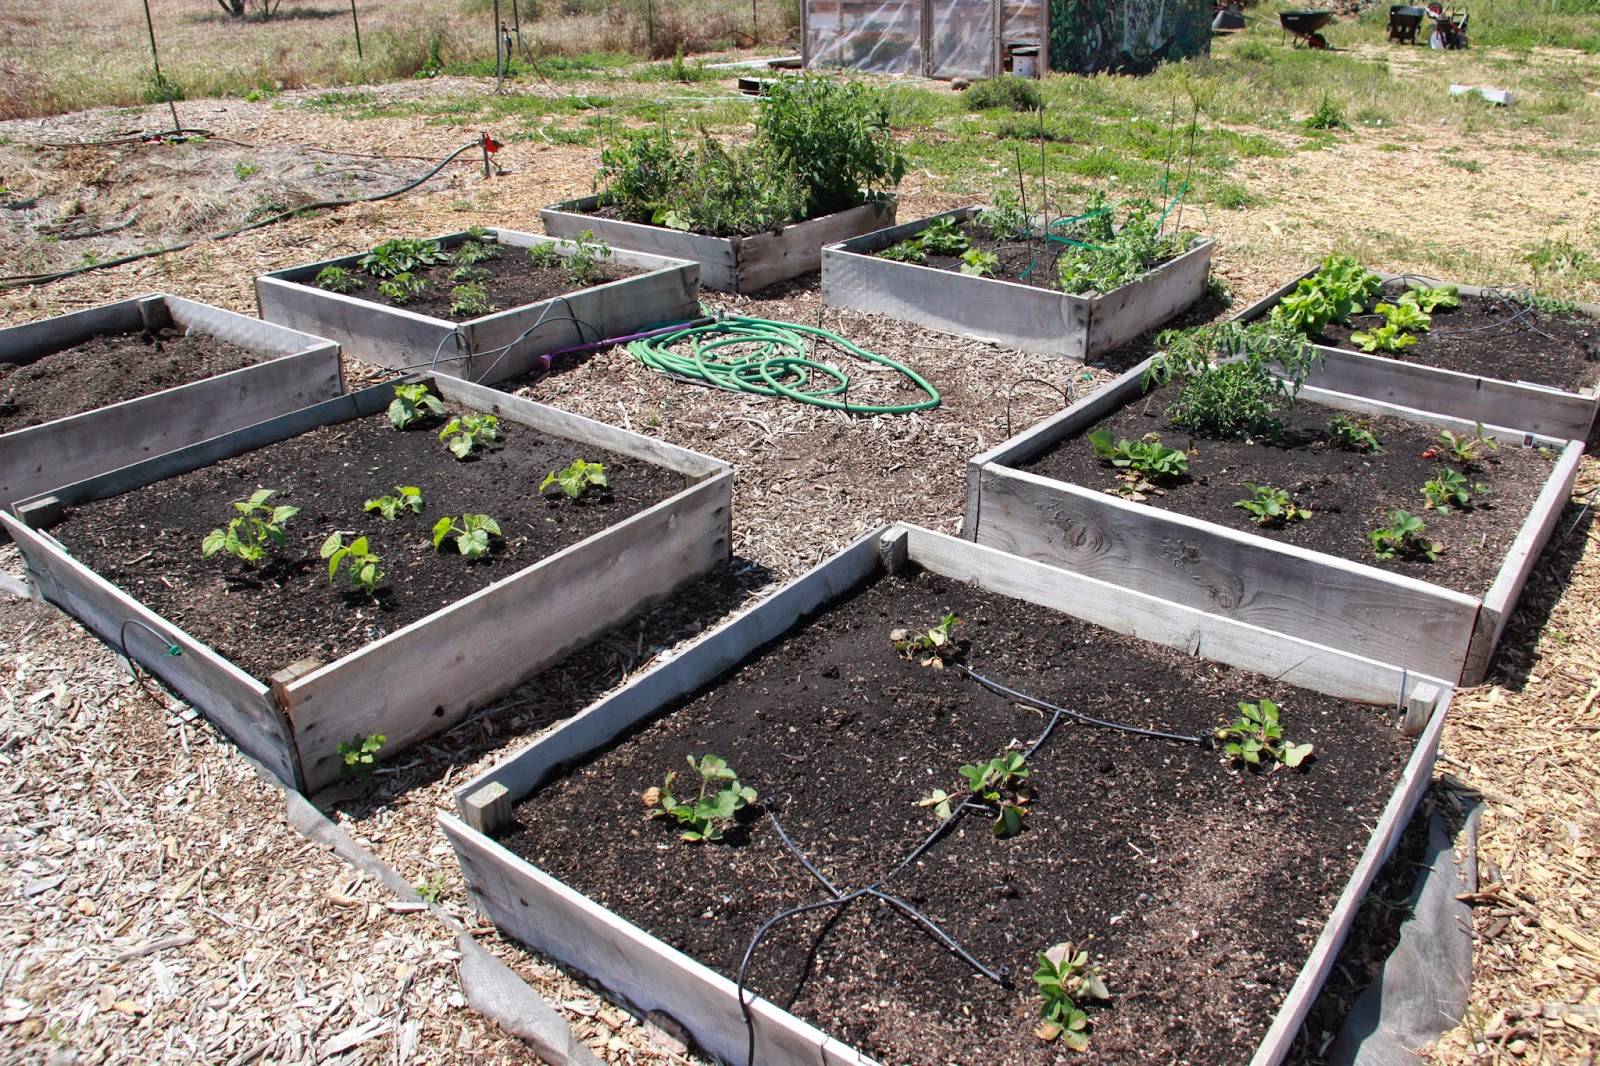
[778, 364]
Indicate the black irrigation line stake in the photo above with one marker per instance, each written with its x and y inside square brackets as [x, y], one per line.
[356, 22]
[1066, 391]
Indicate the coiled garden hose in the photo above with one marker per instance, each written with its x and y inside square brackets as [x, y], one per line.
[718, 354]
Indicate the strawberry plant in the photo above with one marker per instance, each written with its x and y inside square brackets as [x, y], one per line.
[1065, 978]
[337, 279]
[944, 237]
[1467, 449]
[1430, 300]
[401, 255]
[576, 478]
[1143, 463]
[403, 288]
[469, 300]
[1449, 488]
[1404, 535]
[1257, 733]
[358, 755]
[414, 405]
[363, 570]
[409, 498]
[472, 533]
[1270, 506]
[466, 434]
[1001, 784]
[257, 529]
[1352, 436]
[979, 264]
[934, 642]
[1385, 338]
[713, 810]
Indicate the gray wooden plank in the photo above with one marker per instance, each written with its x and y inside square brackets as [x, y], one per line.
[32, 340]
[768, 258]
[1117, 317]
[716, 256]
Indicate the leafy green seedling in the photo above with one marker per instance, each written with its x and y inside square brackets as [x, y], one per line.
[1406, 315]
[544, 255]
[1000, 784]
[934, 643]
[905, 252]
[472, 533]
[1353, 436]
[979, 264]
[401, 255]
[403, 288]
[1384, 338]
[414, 405]
[1467, 449]
[359, 755]
[1449, 489]
[1430, 300]
[1065, 978]
[1143, 463]
[1406, 534]
[576, 478]
[466, 434]
[584, 264]
[256, 531]
[470, 299]
[1257, 733]
[337, 279]
[1270, 506]
[713, 810]
[475, 250]
[943, 237]
[408, 498]
[432, 889]
[363, 570]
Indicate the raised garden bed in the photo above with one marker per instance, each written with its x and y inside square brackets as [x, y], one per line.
[1018, 314]
[537, 314]
[97, 389]
[1500, 374]
[1043, 495]
[1212, 932]
[292, 663]
[727, 264]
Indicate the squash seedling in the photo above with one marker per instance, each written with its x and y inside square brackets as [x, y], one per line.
[337, 279]
[979, 264]
[472, 533]
[1350, 436]
[999, 784]
[1404, 535]
[1270, 506]
[403, 288]
[414, 405]
[576, 478]
[408, 498]
[1449, 488]
[1065, 978]
[358, 755]
[1257, 732]
[466, 434]
[256, 531]
[934, 643]
[363, 570]
[712, 811]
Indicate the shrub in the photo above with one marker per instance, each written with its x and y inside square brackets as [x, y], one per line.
[1009, 92]
[1227, 385]
[834, 136]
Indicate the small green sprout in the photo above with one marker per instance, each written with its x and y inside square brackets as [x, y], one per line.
[1065, 978]
[431, 890]
[337, 279]
[934, 642]
[1465, 449]
[999, 784]
[1404, 535]
[1270, 506]
[576, 478]
[402, 288]
[470, 299]
[256, 531]
[472, 533]
[1353, 436]
[979, 264]
[711, 812]
[407, 498]
[363, 571]
[1256, 733]
[1448, 489]
[414, 405]
[359, 754]
[466, 434]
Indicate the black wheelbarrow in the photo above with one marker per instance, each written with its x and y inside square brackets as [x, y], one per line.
[1404, 22]
[1305, 24]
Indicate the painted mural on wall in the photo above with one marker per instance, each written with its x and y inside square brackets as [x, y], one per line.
[1131, 36]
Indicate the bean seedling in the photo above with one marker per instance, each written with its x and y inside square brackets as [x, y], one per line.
[256, 531]
[1256, 733]
[465, 434]
[1065, 978]
[409, 498]
[1353, 436]
[999, 784]
[403, 288]
[1404, 535]
[472, 533]
[1449, 488]
[711, 812]
[934, 642]
[359, 754]
[576, 478]
[363, 570]
[1270, 506]
[337, 279]
[979, 264]
[413, 405]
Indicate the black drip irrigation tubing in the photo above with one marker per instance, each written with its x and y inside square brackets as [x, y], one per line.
[122, 639]
[21, 280]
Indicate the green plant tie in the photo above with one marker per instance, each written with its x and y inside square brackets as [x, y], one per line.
[768, 358]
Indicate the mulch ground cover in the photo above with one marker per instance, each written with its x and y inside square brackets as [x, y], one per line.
[1202, 885]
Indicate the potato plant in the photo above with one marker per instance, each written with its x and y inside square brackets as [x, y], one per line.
[337, 279]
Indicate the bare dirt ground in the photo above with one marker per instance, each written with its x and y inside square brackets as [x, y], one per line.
[160, 908]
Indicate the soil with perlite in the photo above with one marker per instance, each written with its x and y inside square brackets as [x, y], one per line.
[108, 369]
[1203, 886]
[148, 541]
[1348, 493]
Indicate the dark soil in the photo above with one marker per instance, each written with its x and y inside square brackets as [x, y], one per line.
[109, 369]
[1495, 337]
[1026, 262]
[512, 281]
[148, 542]
[1348, 494]
[611, 211]
[1203, 886]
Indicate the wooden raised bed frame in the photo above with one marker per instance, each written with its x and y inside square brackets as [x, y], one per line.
[297, 370]
[1516, 405]
[423, 678]
[1019, 316]
[727, 264]
[1355, 607]
[539, 910]
[408, 341]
